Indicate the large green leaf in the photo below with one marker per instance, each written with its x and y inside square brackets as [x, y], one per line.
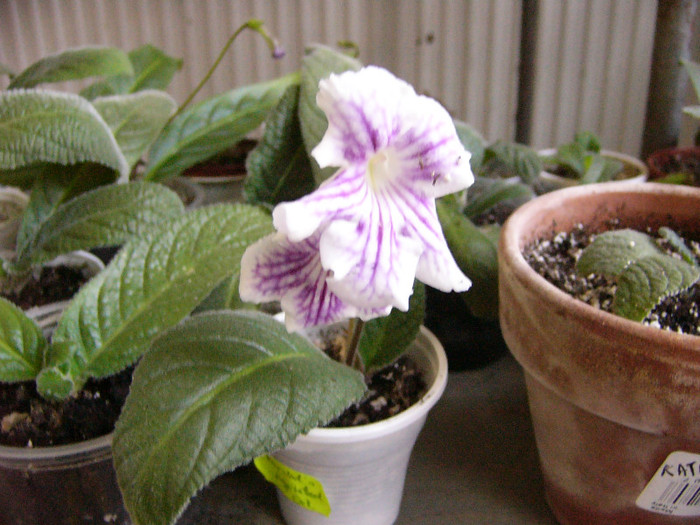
[136, 120]
[74, 64]
[317, 64]
[213, 125]
[212, 394]
[106, 216]
[476, 255]
[384, 339]
[153, 283]
[278, 168]
[153, 69]
[22, 345]
[45, 126]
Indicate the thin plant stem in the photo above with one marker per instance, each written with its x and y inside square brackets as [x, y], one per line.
[255, 25]
[351, 357]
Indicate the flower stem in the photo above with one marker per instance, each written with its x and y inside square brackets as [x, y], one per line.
[351, 357]
[255, 25]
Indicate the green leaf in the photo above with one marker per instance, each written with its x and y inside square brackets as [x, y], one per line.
[54, 384]
[487, 193]
[53, 185]
[153, 283]
[44, 126]
[476, 255]
[106, 216]
[136, 120]
[22, 345]
[645, 282]
[74, 64]
[212, 126]
[317, 64]
[679, 246]
[588, 140]
[611, 252]
[510, 159]
[572, 156]
[153, 69]
[212, 394]
[473, 142]
[279, 168]
[384, 339]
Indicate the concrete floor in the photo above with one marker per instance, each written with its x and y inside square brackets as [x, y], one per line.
[474, 463]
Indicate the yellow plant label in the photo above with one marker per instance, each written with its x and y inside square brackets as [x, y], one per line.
[301, 488]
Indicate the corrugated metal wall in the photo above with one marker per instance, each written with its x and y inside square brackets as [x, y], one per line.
[590, 69]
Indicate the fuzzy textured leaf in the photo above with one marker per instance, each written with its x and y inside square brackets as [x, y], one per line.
[317, 64]
[213, 393]
[213, 125]
[45, 126]
[644, 283]
[136, 120]
[611, 252]
[74, 64]
[106, 216]
[278, 168]
[22, 345]
[153, 283]
[384, 339]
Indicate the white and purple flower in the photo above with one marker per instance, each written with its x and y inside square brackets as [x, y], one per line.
[353, 247]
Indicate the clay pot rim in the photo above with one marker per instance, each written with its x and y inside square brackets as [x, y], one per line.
[514, 236]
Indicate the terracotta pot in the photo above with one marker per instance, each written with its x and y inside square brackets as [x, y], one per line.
[610, 399]
[362, 469]
[634, 170]
[675, 160]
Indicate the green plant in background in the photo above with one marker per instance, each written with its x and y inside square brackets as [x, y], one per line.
[693, 69]
[643, 272]
[581, 160]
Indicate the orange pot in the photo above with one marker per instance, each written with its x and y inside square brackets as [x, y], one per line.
[610, 399]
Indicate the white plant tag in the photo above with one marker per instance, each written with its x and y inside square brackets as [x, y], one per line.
[675, 488]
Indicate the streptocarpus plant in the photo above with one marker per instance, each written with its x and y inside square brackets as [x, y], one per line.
[225, 387]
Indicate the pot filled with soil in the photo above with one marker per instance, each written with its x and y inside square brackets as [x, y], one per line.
[55, 458]
[360, 459]
[675, 165]
[48, 289]
[614, 402]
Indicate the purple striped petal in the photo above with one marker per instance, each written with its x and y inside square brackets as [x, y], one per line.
[275, 269]
[355, 245]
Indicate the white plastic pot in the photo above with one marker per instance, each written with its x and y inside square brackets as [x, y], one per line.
[362, 469]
